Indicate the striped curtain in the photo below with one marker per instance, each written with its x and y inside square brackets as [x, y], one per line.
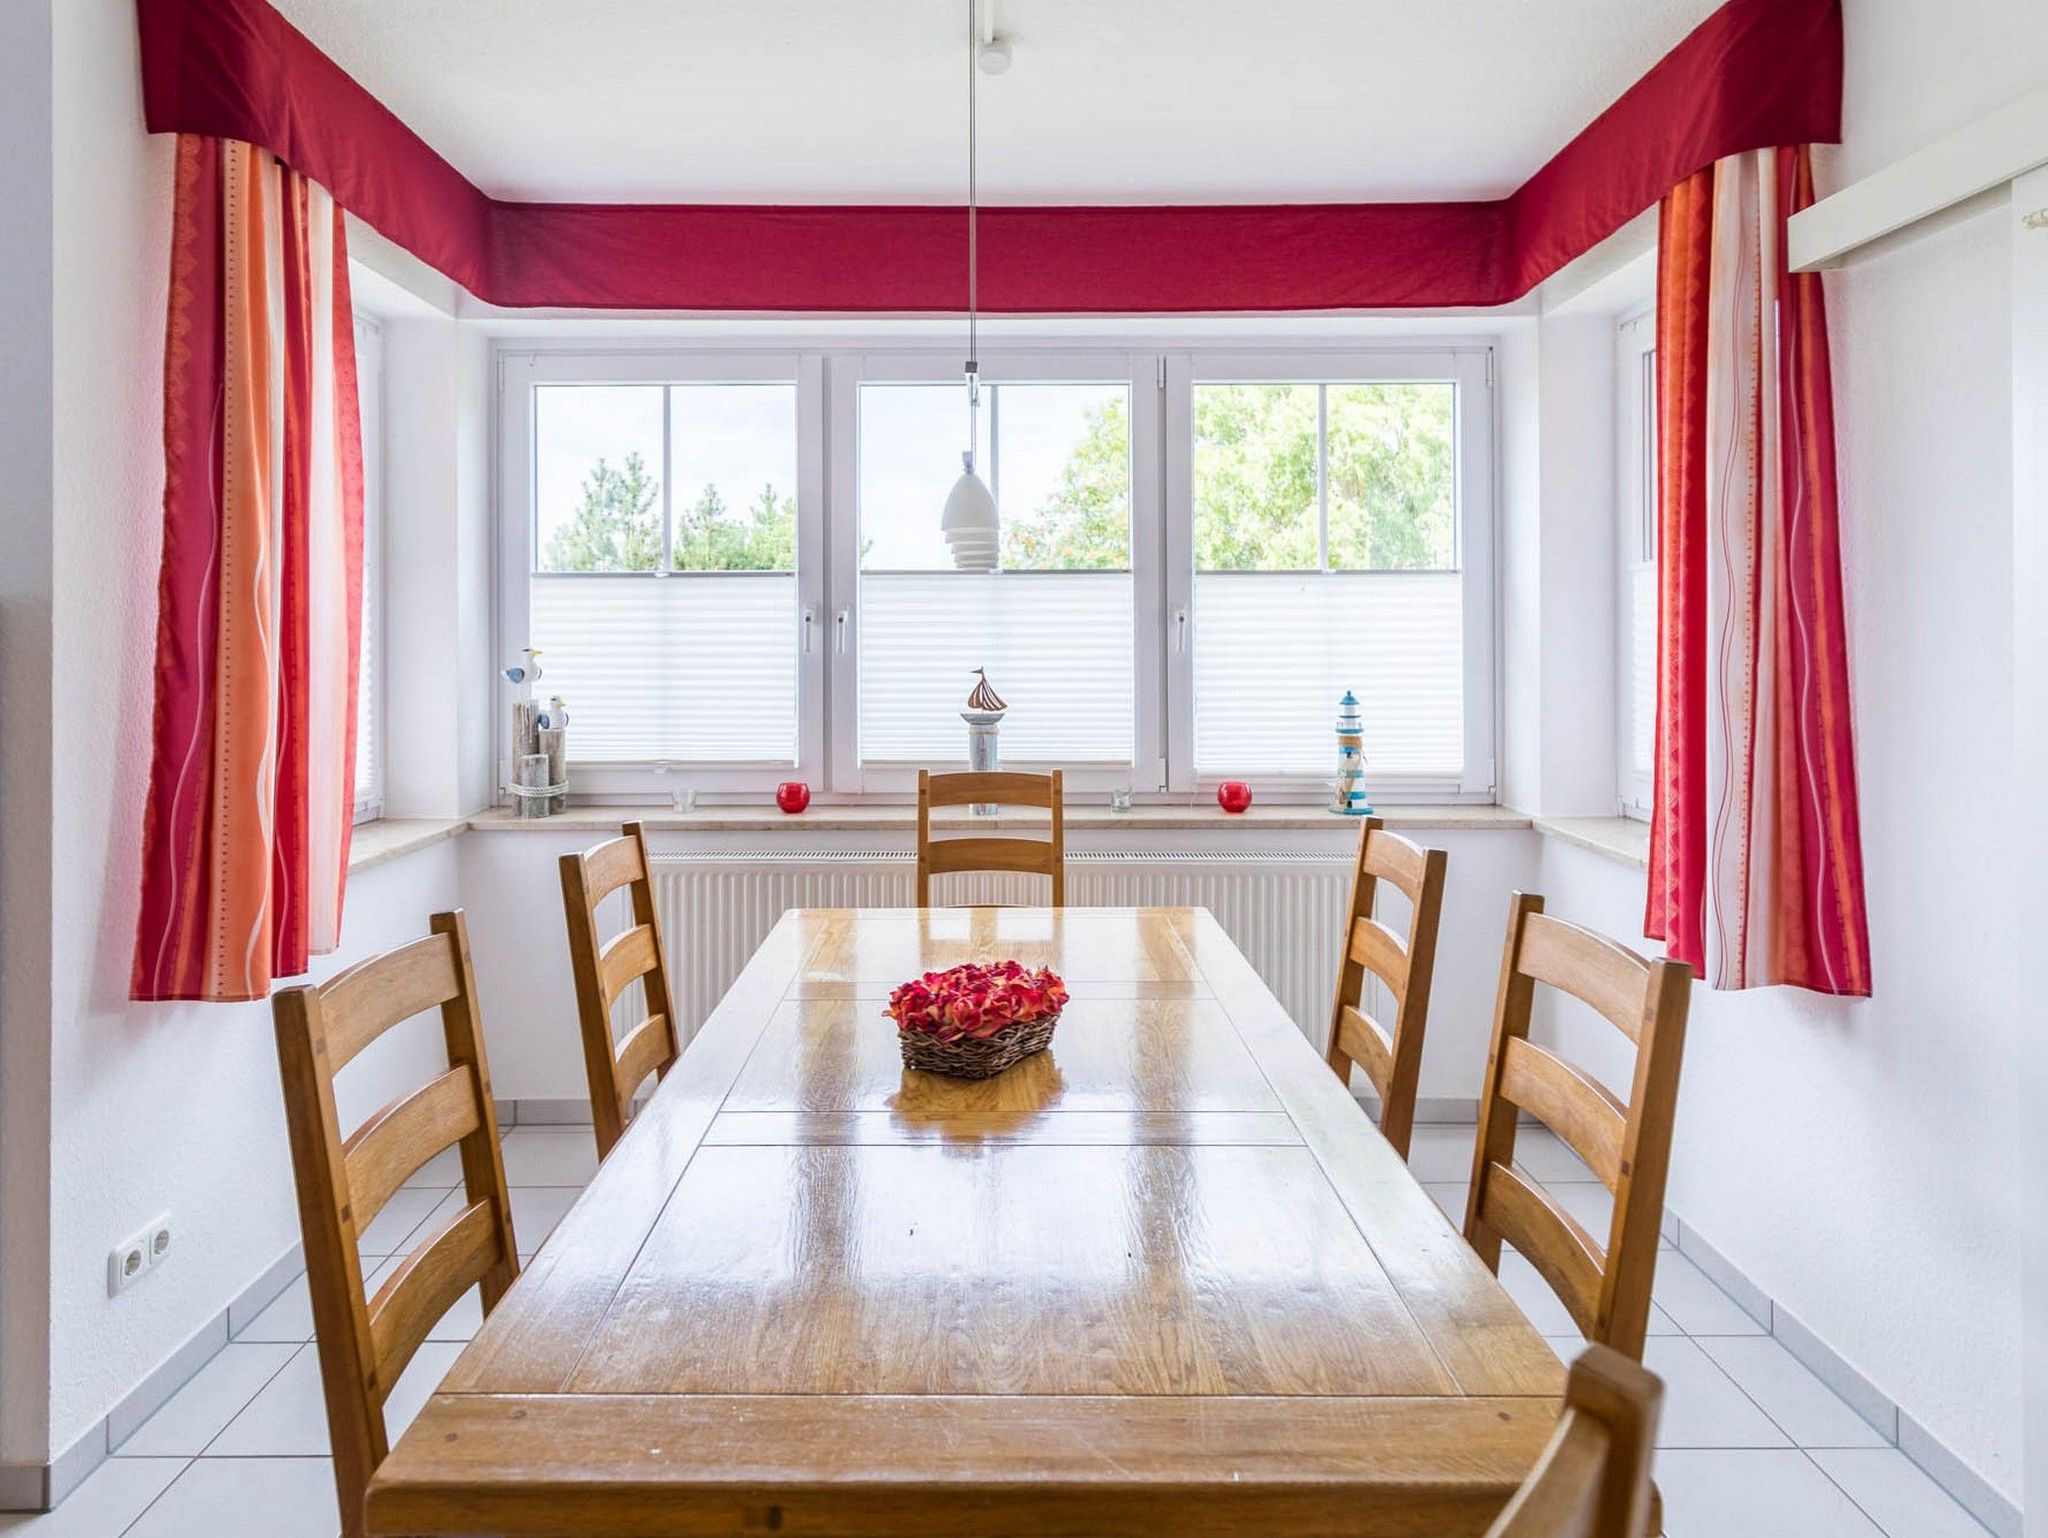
[1756, 868]
[251, 790]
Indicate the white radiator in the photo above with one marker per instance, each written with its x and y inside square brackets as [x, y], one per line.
[1285, 911]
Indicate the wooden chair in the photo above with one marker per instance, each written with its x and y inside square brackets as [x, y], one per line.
[1628, 1145]
[1593, 1480]
[344, 1182]
[604, 970]
[1392, 1059]
[937, 857]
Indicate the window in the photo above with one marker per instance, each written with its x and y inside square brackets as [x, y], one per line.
[369, 776]
[1636, 544]
[1200, 555]
[1053, 626]
[658, 560]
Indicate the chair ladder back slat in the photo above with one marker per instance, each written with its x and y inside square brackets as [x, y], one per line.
[388, 1149]
[1550, 1239]
[1367, 1043]
[643, 1051]
[1591, 968]
[1584, 1113]
[1027, 856]
[1627, 1144]
[1405, 967]
[626, 957]
[1593, 1479]
[364, 1001]
[427, 1283]
[340, 1181]
[603, 970]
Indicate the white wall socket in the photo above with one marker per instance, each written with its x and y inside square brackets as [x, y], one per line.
[130, 1260]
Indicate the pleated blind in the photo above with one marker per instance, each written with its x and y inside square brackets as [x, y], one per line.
[1275, 651]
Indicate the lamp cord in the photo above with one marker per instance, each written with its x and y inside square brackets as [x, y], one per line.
[973, 352]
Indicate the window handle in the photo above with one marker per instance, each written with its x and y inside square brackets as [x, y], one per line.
[839, 631]
[810, 626]
[1180, 630]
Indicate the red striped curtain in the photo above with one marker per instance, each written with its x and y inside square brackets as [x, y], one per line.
[251, 791]
[1756, 867]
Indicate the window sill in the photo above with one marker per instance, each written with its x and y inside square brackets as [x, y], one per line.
[387, 838]
[1619, 838]
[866, 819]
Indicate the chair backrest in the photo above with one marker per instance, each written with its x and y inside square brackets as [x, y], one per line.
[1627, 1144]
[1593, 1480]
[1033, 856]
[606, 969]
[344, 1181]
[1391, 1058]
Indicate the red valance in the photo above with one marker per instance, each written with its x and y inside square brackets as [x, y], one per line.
[1756, 74]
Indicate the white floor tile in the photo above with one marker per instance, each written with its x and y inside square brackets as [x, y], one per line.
[289, 1418]
[111, 1497]
[1684, 1292]
[216, 1394]
[1545, 1310]
[1543, 1154]
[1805, 1408]
[394, 1224]
[1754, 1494]
[535, 1212]
[1450, 1195]
[246, 1498]
[545, 1156]
[1441, 1152]
[461, 1321]
[1896, 1495]
[443, 1170]
[1702, 1405]
[1586, 1200]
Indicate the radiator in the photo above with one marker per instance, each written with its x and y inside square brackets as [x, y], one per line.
[1284, 911]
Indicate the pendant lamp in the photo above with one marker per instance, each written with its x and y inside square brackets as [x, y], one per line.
[971, 525]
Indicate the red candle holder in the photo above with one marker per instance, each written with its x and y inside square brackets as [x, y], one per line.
[1233, 795]
[792, 796]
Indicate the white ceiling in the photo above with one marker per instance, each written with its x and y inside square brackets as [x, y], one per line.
[1152, 101]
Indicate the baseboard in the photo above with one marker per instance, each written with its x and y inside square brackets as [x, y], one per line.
[1939, 1462]
[43, 1486]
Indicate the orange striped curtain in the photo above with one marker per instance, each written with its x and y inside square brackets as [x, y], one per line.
[251, 792]
[1756, 866]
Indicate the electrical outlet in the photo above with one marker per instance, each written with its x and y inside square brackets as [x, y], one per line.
[130, 1260]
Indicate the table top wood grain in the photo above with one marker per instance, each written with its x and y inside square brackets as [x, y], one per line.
[1164, 1277]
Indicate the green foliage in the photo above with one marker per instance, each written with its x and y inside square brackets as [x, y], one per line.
[1391, 494]
[616, 527]
[763, 538]
[1085, 525]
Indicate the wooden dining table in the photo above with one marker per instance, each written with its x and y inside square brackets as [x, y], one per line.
[1164, 1278]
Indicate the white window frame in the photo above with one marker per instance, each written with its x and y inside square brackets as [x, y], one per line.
[1468, 367]
[369, 340]
[1160, 373]
[1635, 534]
[519, 372]
[998, 366]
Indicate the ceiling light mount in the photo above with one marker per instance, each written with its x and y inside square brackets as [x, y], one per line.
[993, 56]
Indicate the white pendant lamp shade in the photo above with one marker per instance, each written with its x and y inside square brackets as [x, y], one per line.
[969, 522]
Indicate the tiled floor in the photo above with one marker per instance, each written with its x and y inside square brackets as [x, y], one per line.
[1752, 1444]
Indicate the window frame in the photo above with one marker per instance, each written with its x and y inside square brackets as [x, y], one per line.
[1467, 366]
[999, 365]
[369, 345]
[1161, 370]
[1635, 535]
[520, 373]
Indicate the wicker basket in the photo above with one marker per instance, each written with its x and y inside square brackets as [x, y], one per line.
[976, 1058]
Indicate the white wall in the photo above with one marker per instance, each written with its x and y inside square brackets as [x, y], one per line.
[149, 1107]
[1856, 1159]
[26, 180]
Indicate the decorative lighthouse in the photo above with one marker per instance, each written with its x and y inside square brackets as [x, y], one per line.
[1348, 794]
[983, 715]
